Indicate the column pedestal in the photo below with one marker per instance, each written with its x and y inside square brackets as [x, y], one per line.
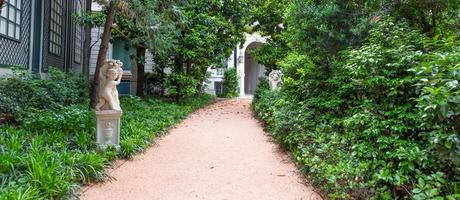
[108, 128]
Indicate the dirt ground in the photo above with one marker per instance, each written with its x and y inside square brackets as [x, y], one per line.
[219, 152]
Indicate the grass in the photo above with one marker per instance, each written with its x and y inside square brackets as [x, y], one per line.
[52, 153]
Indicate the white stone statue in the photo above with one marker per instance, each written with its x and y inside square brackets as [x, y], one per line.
[274, 79]
[110, 76]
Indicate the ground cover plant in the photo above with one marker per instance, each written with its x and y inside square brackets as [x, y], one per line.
[47, 152]
[369, 105]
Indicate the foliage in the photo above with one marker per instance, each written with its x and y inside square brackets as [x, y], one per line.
[380, 123]
[179, 86]
[439, 104]
[267, 17]
[187, 36]
[54, 151]
[153, 83]
[154, 26]
[230, 83]
[431, 17]
[328, 26]
[211, 31]
[23, 91]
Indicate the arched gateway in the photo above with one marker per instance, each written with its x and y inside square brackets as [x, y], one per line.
[252, 70]
[247, 67]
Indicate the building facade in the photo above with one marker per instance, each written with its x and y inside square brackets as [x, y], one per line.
[119, 49]
[38, 34]
[248, 70]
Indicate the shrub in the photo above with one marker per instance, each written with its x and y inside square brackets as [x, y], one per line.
[153, 83]
[23, 91]
[230, 83]
[180, 86]
[381, 123]
[439, 106]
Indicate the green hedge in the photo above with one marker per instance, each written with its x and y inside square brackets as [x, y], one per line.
[23, 91]
[381, 123]
[230, 83]
[179, 86]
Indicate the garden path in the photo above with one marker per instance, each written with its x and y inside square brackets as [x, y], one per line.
[218, 152]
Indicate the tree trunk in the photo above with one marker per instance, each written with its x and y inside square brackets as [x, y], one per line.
[434, 14]
[140, 70]
[87, 43]
[101, 57]
[163, 78]
[178, 64]
[189, 68]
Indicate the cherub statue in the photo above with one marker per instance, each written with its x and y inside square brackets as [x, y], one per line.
[110, 76]
[274, 79]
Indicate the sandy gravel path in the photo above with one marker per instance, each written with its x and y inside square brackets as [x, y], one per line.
[219, 152]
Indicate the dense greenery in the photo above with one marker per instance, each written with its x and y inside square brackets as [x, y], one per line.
[153, 83]
[185, 36]
[23, 92]
[230, 83]
[213, 29]
[180, 86]
[369, 104]
[48, 150]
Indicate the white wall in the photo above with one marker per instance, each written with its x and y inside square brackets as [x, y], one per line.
[250, 38]
[148, 61]
[95, 45]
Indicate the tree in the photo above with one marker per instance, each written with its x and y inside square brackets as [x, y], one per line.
[87, 41]
[152, 28]
[101, 57]
[328, 26]
[267, 19]
[430, 16]
[212, 31]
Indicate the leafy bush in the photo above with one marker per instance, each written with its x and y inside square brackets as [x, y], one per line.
[53, 151]
[180, 86]
[153, 83]
[230, 83]
[381, 123]
[23, 91]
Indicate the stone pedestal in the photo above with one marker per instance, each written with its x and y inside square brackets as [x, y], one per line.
[108, 128]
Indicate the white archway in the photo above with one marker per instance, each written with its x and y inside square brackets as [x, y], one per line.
[244, 58]
[252, 69]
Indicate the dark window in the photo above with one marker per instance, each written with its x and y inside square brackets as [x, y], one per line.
[219, 88]
[10, 19]
[78, 37]
[55, 43]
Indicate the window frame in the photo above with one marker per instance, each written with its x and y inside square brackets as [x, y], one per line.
[78, 52]
[58, 24]
[16, 23]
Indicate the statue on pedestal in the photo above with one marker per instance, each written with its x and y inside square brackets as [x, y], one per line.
[110, 76]
[108, 110]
